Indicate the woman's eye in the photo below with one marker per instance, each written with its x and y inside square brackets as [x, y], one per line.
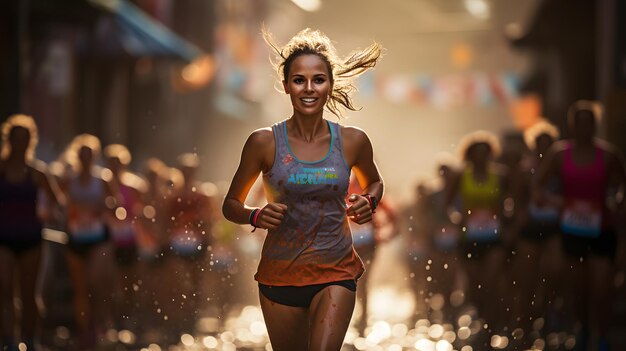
[298, 80]
[319, 80]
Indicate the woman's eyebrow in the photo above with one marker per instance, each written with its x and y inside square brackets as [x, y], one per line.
[315, 75]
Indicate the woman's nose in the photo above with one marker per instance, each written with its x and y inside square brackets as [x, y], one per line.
[308, 86]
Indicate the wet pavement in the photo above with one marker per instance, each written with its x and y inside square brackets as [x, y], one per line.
[396, 322]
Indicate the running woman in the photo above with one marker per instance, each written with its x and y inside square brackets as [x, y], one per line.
[123, 226]
[309, 269]
[537, 248]
[480, 188]
[22, 177]
[190, 241]
[90, 200]
[444, 237]
[589, 169]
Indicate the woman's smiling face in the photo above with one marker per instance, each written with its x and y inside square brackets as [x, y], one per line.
[308, 84]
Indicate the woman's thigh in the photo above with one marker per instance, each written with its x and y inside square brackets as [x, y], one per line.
[329, 318]
[287, 326]
[7, 271]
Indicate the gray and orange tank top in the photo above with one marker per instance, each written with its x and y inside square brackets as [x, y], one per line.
[313, 244]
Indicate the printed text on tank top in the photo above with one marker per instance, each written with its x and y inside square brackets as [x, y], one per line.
[313, 244]
[584, 187]
[480, 203]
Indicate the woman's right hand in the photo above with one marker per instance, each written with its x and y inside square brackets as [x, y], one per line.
[271, 215]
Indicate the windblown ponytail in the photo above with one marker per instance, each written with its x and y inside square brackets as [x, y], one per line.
[341, 71]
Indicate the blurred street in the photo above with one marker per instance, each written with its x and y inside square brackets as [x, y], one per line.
[123, 122]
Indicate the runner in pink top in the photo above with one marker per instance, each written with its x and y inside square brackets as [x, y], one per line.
[589, 169]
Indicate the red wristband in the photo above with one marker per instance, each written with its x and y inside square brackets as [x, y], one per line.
[256, 217]
[372, 200]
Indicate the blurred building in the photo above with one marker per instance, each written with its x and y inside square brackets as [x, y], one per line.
[173, 76]
[578, 48]
[138, 73]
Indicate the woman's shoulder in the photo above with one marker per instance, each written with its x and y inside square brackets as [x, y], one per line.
[38, 170]
[606, 146]
[352, 130]
[611, 152]
[134, 181]
[261, 137]
[38, 167]
[559, 146]
[355, 135]
[556, 151]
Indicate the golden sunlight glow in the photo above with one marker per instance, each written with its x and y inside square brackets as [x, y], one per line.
[210, 342]
[187, 339]
[478, 8]
[121, 213]
[308, 5]
[196, 74]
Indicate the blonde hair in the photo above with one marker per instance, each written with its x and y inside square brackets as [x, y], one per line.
[540, 128]
[83, 140]
[188, 160]
[118, 151]
[594, 107]
[19, 121]
[174, 178]
[471, 140]
[155, 166]
[342, 71]
[446, 159]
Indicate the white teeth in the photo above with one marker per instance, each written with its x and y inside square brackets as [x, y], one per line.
[308, 99]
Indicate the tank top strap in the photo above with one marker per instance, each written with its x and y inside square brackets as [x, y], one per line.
[280, 147]
[338, 144]
[279, 135]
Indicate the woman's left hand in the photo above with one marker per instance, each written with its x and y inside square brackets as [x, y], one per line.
[359, 211]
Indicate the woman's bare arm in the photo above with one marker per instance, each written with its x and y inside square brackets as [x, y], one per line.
[359, 155]
[258, 149]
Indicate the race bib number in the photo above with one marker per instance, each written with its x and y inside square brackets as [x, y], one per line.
[123, 233]
[446, 237]
[186, 243]
[416, 248]
[482, 225]
[582, 218]
[543, 214]
[85, 227]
